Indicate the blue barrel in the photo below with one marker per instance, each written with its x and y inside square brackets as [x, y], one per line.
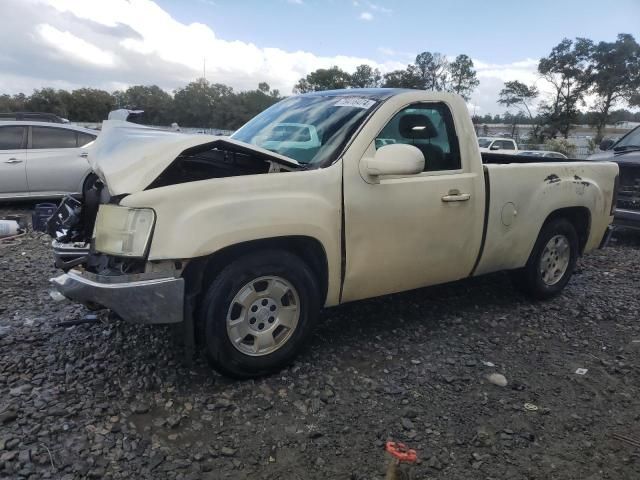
[42, 212]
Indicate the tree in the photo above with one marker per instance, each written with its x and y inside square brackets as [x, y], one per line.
[90, 105]
[199, 103]
[408, 78]
[365, 77]
[13, 103]
[433, 69]
[614, 74]
[566, 70]
[516, 93]
[323, 79]
[156, 103]
[48, 100]
[462, 77]
[239, 108]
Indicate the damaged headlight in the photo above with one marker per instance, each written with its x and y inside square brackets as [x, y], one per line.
[123, 231]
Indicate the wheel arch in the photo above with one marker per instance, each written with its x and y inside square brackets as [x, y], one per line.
[579, 217]
[202, 270]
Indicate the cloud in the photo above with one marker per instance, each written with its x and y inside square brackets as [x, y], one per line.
[295, 2]
[379, 8]
[72, 46]
[111, 45]
[366, 16]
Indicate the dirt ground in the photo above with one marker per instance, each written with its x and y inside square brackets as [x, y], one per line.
[114, 401]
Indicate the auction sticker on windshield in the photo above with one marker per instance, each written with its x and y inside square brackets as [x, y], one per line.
[357, 102]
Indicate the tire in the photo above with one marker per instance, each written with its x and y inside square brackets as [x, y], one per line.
[245, 297]
[545, 274]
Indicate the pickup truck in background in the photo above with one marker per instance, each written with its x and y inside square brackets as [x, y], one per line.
[244, 244]
[506, 146]
[625, 152]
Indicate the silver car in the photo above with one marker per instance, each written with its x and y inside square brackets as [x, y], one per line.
[43, 159]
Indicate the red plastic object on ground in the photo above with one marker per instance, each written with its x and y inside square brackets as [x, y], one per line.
[401, 452]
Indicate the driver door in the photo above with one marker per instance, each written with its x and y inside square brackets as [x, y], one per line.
[405, 232]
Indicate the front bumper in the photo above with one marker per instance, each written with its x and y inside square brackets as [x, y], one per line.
[139, 298]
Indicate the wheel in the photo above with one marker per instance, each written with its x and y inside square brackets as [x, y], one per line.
[258, 313]
[551, 262]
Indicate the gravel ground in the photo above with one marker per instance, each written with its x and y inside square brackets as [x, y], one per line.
[114, 401]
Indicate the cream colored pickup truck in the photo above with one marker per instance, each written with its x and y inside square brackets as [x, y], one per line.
[322, 199]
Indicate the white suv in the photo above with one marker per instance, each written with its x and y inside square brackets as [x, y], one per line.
[43, 159]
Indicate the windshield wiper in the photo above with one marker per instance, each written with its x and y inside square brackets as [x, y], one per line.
[625, 148]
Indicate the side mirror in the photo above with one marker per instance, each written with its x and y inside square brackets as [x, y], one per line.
[395, 159]
[494, 147]
[606, 144]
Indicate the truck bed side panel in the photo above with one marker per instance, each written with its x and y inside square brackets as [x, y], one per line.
[524, 195]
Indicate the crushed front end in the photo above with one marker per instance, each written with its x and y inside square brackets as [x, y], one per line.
[109, 269]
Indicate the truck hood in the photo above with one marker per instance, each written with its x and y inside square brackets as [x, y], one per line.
[129, 157]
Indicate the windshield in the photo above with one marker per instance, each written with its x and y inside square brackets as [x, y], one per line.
[309, 129]
[484, 142]
[631, 140]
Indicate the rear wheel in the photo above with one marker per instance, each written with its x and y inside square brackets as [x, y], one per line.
[258, 313]
[551, 262]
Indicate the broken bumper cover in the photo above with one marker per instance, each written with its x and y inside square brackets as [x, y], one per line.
[140, 298]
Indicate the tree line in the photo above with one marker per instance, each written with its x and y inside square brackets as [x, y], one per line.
[608, 72]
[430, 71]
[198, 104]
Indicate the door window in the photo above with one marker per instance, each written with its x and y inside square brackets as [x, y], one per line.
[11, 138]
[428, 126]
[85, 138]
[51, 137]
[506, 145]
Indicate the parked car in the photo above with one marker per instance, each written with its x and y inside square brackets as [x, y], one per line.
[626, 153]
[542, 153]
[245, 244]
[507, 146]
[32, 116]
[43, 160]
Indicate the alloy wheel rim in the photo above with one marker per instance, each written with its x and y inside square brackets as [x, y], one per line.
[263, 315]
[555, 259]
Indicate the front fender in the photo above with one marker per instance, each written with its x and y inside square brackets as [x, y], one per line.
[200, 218]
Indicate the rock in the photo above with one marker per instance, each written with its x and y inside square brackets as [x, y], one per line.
[228, 451]
[8, 456]
[407, 424]
[7, 416]
[497, 379]
[173, 421]
[141, 407]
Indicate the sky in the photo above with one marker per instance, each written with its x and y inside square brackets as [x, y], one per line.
[112, 44]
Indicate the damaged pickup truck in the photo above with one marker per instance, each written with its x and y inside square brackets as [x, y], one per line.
[322, 199]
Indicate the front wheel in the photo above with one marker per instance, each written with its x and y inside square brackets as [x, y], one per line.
[258, 313]
[551, 262]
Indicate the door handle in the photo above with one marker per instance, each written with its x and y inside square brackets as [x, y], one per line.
[84, 155]
[456, 196]
[13, 160]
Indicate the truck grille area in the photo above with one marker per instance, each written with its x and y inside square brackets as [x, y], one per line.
[629, 189]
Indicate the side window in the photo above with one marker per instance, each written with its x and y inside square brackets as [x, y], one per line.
[84, 138]
[428, 126]
[51, 137]
[507, 145]
[11, 138]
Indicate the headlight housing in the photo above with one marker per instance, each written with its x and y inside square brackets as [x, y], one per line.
[123, 231]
